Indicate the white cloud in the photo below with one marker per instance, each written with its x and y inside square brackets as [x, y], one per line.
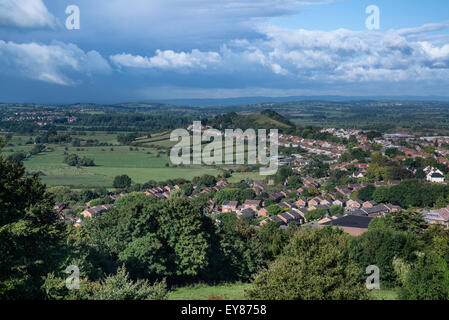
[317, 56]
[338, 55]
[352, 56]
[55, 63]
[25, 14]
[168, 59]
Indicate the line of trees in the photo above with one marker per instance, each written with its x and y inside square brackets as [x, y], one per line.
[74, 160]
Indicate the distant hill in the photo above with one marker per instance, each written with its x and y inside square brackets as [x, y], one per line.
[267, 119]
[256, 100]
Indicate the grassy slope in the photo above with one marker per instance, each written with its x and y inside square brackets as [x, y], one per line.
[142, 165]
[236, 291]
[206, 292]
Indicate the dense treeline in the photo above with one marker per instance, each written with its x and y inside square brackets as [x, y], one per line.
[133, 122]
[413, 193]
[232, 120]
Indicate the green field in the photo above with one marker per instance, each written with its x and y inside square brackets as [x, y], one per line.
[146, 163]
[236, 291]
[384, 294]
[148, 160]
[239, 176]
[229, 291]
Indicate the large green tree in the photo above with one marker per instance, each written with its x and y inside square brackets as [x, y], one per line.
[30, 235]
[428, 279]
[315, 265]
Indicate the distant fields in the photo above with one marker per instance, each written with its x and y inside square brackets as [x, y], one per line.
[147, 163]
[147, 160]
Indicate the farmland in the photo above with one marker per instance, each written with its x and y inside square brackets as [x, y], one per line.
[141, 163]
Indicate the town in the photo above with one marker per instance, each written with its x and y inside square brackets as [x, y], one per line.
[319, 201]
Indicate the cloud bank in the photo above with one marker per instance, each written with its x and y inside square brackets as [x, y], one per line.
[25, 14]
[339, 55]
[57, 63]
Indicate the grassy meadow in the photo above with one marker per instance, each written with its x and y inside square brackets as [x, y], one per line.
[148, 161]
[236, 291]
[228, 291]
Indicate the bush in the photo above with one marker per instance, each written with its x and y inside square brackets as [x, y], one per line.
[427, 280]
[121, 182]
[74, 161]
[315, 214]
[315, 265]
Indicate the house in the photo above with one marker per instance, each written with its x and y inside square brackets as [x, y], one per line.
[275, 219]
[324, 220]
[393, 183]
[309, 182]
[358, 212]
[301, 203]
[435, 177]
[301, 211]
[253, 204]
[369, 204]
[320, 206]
[95, 211]
[392, 208]
[354, 204]
[229, 206]
[221, 184]
[259, 187]
[213, 207]
[344, 191]
[361, 165]
[440, 216]
[276, 197]
[296, 216]
[355, 225]
[286, 204]
[247, 213]
[78, 222]
[338, 202]
[315, 201]
[285, 217]
[262, 212]
[376, 211]
[358, 174]
[58, 207]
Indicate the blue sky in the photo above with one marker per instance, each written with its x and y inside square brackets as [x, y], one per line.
[144, 50]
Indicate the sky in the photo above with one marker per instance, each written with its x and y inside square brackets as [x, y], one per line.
[148, 50]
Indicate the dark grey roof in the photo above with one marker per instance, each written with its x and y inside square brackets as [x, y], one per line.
[323, 206]
[353, 221]
[248, 213]
[358, 212]
[437, 175]
[288, 218]
[277, 220]
[230, 203]
[303, 210]
[376, 209]
[295, 215]
[252, 202]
